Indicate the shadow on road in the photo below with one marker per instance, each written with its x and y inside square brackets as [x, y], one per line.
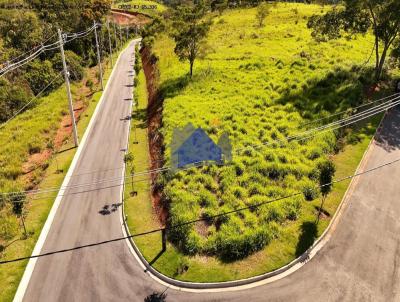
[156, 297]
[107, 210]
[389, 136]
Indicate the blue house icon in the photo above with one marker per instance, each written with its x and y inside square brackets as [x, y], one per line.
[194, 146]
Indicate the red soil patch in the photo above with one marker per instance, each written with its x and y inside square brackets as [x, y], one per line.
[122, 17]
[39, 160]
[36, 161]
[154, 115]
[369, 91]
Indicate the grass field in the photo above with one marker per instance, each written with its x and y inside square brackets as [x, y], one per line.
[36, 127]
[257, 85]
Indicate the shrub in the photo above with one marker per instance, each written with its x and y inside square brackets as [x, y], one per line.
[235, 246]
[8, 224]
[39, 74]
[310, 191]
[207, 199]
[292, 208]
[274, 213]
[74, 64]
[12, 99]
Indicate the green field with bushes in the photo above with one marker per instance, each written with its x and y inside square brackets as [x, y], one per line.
[259, 85]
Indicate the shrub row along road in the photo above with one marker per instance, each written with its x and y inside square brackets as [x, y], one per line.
[360, 262]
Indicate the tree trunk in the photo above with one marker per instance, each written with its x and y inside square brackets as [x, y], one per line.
[320, 207]
[381, 63]
[23, 224]
[191, 67]
[376, 58]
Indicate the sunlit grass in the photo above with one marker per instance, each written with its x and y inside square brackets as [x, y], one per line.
[257, 85]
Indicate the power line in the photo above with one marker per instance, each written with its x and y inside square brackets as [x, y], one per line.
[161, 160]
[164, 169]
[347, 110]
[252, 207]
[336, 125]
[33, 55]
[11, 67]
[29, 51]
[344, 123]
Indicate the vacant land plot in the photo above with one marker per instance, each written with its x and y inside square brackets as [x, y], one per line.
[258, 85]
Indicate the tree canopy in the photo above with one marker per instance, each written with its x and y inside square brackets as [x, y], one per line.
[359, 16]
[190, 31]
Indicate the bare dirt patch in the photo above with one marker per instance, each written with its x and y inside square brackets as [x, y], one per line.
[39, 160]
[154, 120]
[129, 18]
[202, 228]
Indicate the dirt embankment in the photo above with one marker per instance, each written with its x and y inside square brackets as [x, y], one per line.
[123, 18]
[154, 116]
[38, 161]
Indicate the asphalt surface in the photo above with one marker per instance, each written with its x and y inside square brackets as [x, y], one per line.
[361, 262]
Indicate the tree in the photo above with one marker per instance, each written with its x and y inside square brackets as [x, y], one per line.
[262, 13]
[358, 16]
[18, 201]
[326, 172]
[219, 5]
[191, 30]
[150, 30]
[128, 160]
[13, 96]
[21, 31]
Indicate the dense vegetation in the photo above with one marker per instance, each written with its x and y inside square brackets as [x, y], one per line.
[20, 33]
[259, 85]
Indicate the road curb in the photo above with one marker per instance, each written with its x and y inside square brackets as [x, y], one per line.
[263, 278]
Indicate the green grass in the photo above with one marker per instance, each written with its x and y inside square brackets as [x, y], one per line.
[32, 127]
[147, 7]
[257, 85]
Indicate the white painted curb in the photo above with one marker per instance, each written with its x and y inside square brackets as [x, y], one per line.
[23, 285]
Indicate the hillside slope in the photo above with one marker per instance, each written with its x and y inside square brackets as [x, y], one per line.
[258, 85]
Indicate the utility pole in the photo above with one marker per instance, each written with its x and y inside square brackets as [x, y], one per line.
[115, 35]
[98, 55]
[109, 43]
[66, 76]
[120, 35]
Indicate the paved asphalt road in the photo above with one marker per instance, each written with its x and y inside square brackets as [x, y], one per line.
[361, 262]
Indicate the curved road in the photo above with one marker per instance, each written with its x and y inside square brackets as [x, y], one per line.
[361, 262]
